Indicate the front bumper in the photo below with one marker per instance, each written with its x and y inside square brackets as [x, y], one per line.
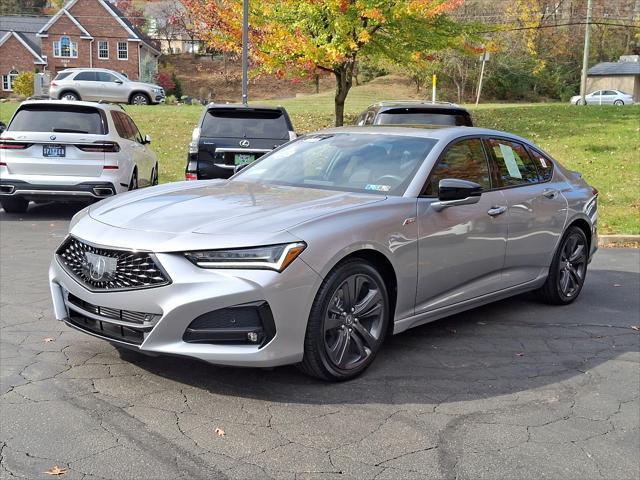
[194, 292]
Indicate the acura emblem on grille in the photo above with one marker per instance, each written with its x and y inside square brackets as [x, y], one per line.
[244, 143]
[99, 267]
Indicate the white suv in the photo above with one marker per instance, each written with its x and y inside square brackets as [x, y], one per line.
[62, 150]
[96, 84]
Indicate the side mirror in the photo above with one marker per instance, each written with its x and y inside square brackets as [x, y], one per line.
[453, 192]
[237, 168]
[147, 139]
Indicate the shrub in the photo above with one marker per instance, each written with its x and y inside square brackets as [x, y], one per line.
[177, 89]
[163, 78]
[23, 84]
[171, 100]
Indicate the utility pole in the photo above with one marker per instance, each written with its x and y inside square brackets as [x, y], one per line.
[485, 57]
[585, 56]
[245, 51]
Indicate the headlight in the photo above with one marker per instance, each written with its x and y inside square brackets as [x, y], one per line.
[157, 90]
[270, 257]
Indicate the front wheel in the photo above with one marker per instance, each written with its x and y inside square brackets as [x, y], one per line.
[618, 103]
[348, 322]
[14, 204]
[568, 269]
[140, 99]
[154, 175]
[133, 184]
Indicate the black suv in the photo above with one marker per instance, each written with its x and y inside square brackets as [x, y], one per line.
[232, 135]
[415, 113]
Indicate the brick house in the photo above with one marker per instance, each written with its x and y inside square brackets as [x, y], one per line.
[84, 33]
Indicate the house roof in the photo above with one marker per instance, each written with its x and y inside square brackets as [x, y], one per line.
[28, 26]
[28, 45]
[44, 31]
[615, 68]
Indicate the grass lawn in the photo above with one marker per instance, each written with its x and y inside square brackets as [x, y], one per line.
[601, 142]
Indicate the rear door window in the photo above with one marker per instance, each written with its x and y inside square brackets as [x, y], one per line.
[245, 123]
[513, 166]
[58, 119]
[87, 76]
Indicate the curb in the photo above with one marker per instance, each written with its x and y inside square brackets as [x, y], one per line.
[619, 241]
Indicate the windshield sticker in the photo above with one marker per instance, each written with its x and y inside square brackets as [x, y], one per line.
[510, 161]
[377, 188]
[544, 164]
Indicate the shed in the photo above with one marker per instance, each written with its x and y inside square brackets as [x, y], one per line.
[622, 75]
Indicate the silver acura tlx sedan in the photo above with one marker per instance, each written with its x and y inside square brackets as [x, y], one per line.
[316, 252]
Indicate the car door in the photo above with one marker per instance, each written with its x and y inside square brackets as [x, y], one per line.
[111, 87]
[537, 208]
[461, 248]
[143, 156]
[85, 84]
[608, 97]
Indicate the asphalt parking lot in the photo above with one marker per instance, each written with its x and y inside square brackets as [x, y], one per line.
[511, 390]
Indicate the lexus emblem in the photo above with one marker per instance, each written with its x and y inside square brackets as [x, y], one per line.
[52, 137]
[245, 143]
[100, 268]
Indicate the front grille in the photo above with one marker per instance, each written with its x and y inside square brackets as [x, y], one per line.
[106, 269]
[105, 329]
[136, 318]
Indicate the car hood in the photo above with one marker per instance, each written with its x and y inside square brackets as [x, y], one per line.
[142, 85]
[222, 207]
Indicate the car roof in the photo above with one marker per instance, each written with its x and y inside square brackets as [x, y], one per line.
[417, 103]
[239, 106]
[444, 133]
[103, 106]
[75, 69]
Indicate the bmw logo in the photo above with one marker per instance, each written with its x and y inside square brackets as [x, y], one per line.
[52, 137]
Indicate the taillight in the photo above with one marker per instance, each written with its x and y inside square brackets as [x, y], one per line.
[110, 167]
[3, 164]
[54, 84]
[190, 176]
[594, 190]
[99, 147]
[11, 144]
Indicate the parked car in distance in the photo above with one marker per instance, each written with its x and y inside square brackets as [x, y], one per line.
[415, 113]
[316, 252]
[99, 84]
[604, 97]
[71, 151]
[229, 136]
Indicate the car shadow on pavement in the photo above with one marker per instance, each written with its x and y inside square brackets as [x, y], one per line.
[44, 211]
[503, 348]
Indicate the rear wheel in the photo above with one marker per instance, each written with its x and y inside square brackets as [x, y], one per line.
[140, 99]
[14, 204]
[568, 269]
[133, 184]
[70, 96]
[619, 103]
[348, 322]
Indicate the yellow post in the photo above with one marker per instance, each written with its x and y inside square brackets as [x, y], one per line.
[433, 92]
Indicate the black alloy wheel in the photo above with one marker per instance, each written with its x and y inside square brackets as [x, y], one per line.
[568, 270]
[348, 322]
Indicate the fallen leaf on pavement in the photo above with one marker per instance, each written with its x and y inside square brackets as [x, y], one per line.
[49, 339]
[56, 470]
[521, 354]
[636, 328]
[617, 285]
[220, 432]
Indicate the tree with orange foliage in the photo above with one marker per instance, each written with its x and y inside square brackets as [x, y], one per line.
[300, 37]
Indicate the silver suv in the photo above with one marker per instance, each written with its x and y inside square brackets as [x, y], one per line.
[95, 84]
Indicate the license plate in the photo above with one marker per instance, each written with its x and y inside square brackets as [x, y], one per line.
[53, 150]
[242, 158]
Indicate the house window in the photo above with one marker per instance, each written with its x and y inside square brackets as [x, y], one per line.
[7, 80]
[103, 49]
[65, 48]
[123, 50]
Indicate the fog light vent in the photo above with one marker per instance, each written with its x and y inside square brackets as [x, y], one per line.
[246, 324]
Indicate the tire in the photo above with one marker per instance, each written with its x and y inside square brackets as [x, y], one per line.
[133, 184]
[140, 99]
[14, 204]
[580, 102]
[618, 103]
[71, 96]
[154, 176]
[343, 336]
[568, 269]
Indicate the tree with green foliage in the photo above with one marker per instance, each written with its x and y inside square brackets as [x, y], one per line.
[299, 37]
[22, 7]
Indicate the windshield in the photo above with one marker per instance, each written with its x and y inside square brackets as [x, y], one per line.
[417, 117]
[58, 118]
[354, 162]
[245, 123]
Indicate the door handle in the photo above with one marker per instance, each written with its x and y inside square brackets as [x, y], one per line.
[497, 210]
[550, 192]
